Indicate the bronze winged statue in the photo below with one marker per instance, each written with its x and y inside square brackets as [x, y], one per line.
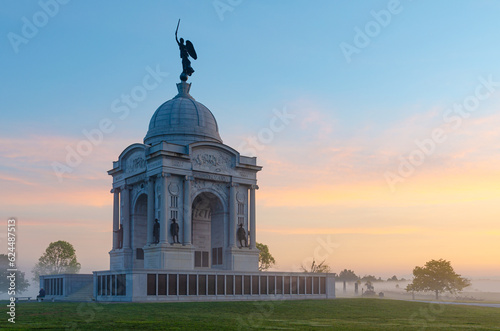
[186, 51]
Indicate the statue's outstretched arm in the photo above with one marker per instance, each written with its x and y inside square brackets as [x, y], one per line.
[178, 43]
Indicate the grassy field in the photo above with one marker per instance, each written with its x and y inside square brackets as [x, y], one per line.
[339, 314]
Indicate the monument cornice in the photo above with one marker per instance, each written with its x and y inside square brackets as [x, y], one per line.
[211, 177]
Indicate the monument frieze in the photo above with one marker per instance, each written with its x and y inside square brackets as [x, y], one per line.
[214, 177]
[212, 160]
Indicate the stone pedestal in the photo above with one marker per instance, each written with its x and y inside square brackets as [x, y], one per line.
[169, 257]
[243, 259]
[120, 259]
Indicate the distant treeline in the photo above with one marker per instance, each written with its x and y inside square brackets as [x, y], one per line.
[350, 276]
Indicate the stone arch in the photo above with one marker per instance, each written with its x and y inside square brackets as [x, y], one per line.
[139, 229]
[209, 220]
[210, 189]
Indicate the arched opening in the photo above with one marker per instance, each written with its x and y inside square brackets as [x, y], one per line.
[139, 230]
[208, 231]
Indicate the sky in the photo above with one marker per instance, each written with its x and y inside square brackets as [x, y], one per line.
[387, 152]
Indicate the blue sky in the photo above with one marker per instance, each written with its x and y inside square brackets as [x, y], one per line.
[261, 53]
[353, 119]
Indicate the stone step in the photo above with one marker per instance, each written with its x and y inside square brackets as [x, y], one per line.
[83, 294]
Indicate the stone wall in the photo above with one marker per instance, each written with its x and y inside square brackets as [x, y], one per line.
[162, 285]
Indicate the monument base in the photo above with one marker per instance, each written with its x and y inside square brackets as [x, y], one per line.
[120, 259]
[209, 285]
[243, 259]
[169, 256]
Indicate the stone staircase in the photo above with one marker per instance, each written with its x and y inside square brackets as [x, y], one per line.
[83, 294]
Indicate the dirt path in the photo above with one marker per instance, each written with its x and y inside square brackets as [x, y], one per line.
[494, 305]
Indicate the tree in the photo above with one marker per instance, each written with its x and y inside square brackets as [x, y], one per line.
[317, 268]
[370, 289]
[20, 280]
[392, 279]
[370, 278]
[347, 276]
[266, 260]
[438, 277]
[59, 258]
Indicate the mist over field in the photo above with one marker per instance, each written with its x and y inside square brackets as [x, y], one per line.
[480, 290]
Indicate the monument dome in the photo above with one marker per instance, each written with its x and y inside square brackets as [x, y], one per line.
[182, 120]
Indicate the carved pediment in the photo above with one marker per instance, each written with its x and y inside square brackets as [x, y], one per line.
[213, 160]
[133, 160]
[135, 163]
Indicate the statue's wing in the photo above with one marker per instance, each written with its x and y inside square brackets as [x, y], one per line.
[190, 49]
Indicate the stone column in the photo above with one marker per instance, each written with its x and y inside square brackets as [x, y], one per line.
[116, 215]
[253, 240]
[232, 214]
[125, 194]
[164, 209]
[151, 209]
[187, 211]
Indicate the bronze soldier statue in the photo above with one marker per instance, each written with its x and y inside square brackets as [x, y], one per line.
[242, 236]
[120, 236]
[156, 232]
[174, 230]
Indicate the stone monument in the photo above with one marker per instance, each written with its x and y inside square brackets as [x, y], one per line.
[183, 171]
[184, 217]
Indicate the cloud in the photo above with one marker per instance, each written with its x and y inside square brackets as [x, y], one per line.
[328, 167]
[352, 231]
[27, 176]
[16, 180]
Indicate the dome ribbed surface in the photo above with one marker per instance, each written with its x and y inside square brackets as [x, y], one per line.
[182, 120]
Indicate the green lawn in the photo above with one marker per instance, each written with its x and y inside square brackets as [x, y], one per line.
[339, 314]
